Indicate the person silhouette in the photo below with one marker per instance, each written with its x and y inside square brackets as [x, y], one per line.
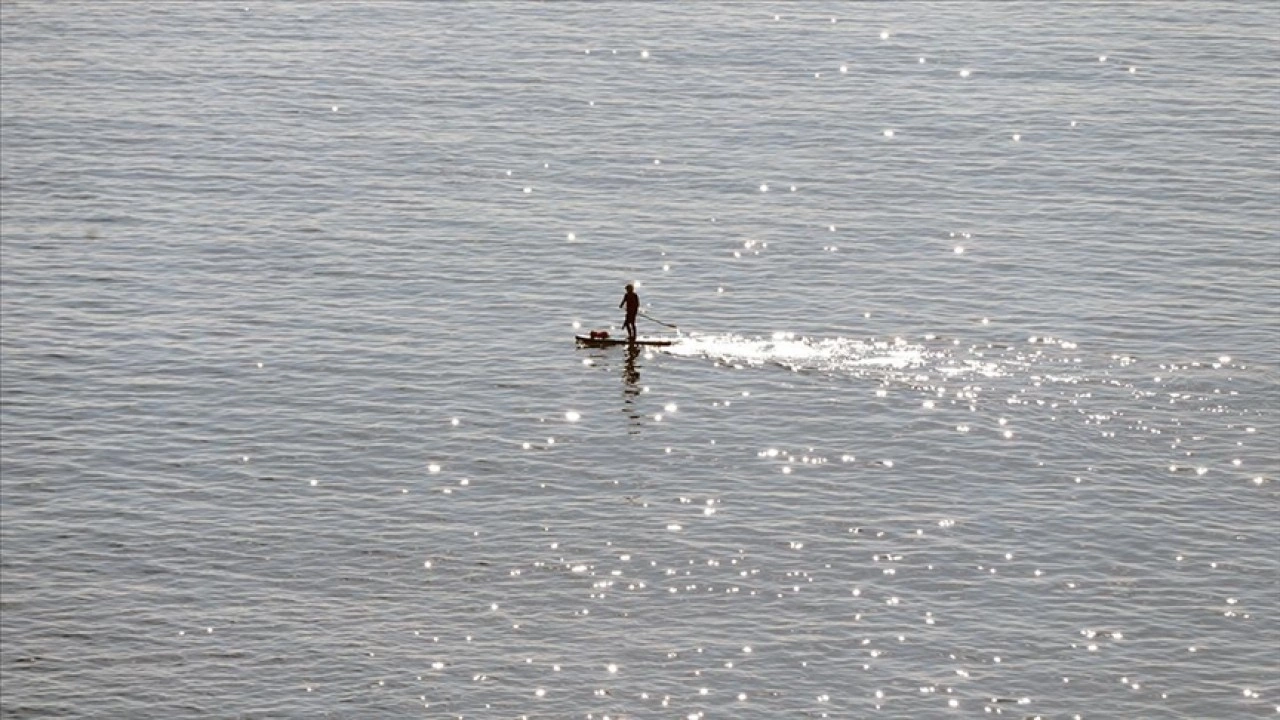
[631, 301]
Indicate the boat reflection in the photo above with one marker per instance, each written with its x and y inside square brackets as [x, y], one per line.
[631, 387]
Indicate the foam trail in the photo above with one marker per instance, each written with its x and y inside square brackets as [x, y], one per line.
[800, 353]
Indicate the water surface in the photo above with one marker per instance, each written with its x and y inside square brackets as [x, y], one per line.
[973, 413]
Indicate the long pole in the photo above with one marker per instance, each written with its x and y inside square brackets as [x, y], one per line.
[658, 321]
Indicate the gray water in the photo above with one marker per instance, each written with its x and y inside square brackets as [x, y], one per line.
[973, 410]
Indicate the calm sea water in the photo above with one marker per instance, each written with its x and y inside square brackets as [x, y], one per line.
[973, 412]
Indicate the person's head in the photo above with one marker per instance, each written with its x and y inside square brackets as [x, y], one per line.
[630, 288]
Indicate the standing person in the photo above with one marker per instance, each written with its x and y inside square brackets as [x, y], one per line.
[631, 301]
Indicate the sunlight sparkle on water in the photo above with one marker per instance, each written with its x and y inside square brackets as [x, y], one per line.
[930, 385]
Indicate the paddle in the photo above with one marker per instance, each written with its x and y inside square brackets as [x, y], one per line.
[658, 321]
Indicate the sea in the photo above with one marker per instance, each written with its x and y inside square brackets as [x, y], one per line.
[972, 409]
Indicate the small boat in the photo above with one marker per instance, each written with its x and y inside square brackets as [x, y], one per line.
[597, 342]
